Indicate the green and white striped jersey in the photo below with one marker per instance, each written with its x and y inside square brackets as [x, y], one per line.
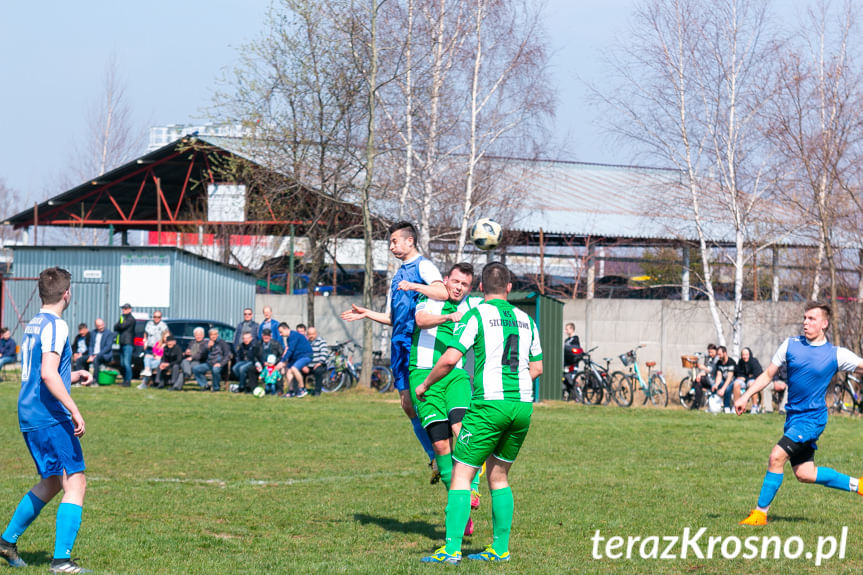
[429, 344]
[504, 340]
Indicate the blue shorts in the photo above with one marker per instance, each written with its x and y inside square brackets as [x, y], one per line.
[302, 362]
[805, 426]
[55, 449]
[400, 355]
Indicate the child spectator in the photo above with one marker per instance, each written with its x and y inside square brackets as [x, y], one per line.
[271, 377]
[152, 361]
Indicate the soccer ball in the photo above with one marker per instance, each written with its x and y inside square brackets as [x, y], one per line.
[485, 233]
[259, 392]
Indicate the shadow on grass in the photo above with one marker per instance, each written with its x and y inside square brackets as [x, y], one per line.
[788, 518]
[40, 558]
[393, 524]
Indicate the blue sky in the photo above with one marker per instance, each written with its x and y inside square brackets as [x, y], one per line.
[170, 55]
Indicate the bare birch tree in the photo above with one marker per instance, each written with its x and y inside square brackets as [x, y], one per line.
[692, 84]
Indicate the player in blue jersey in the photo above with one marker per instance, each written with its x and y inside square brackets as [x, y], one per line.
[51, 424]
[811, 362]
[417, 275]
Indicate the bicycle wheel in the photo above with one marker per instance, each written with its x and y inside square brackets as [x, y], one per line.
[591, 389]
[621, 387]
[382, 378]
[334, 380]
[836, 397]
[657, 391]
[686, 392]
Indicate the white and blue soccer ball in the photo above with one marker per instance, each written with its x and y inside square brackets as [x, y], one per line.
[259, 392]
[485, 233]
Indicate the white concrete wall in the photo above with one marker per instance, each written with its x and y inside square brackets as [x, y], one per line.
[292, 309]
[672, 328]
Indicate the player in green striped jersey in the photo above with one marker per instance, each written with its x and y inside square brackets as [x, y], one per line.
[508, 357]
[444, 406]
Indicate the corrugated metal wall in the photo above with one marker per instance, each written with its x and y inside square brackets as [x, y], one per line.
[199, 288]
[548, 314]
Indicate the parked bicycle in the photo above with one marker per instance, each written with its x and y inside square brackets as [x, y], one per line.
[595, 384]
[653, 387]
[845, 396]
[343, 373]
[686, 390]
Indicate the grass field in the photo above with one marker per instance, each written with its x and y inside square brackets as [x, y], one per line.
[215, 483]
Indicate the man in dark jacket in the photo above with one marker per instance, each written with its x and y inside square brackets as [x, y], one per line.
[125, 329]
[8, 350]
[246, 355]
[102, 346]
[248, 324]
[81, 347]
[169, 368]
[745, 372]
[218, 355]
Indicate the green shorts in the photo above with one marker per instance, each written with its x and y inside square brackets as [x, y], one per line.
[492, 428]
[449, 396]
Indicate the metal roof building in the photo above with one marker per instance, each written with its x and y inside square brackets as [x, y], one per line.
[177, 283]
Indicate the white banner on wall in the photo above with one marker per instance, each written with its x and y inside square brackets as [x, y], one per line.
[145, 281]
[226, 202]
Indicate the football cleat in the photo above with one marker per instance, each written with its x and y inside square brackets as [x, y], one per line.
[468, 529]
[474, 499]
[757, 517]
[435, 472]
[489, 555]
[441, 556]
[66, 566]
[9, 552]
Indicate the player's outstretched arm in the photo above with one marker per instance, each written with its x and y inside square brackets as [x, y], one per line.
[426, 320]
[444, 365]
[435, 290]
[358, 312]
[51, 376]
[760, 383]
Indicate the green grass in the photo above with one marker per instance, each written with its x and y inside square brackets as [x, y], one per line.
[216, 483]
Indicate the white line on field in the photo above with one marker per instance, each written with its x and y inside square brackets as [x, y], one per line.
[222, 483]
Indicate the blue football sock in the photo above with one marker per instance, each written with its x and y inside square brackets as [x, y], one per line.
[832, 478]
[423, 437]
[68, 523]
[772, 482]
[28, 510]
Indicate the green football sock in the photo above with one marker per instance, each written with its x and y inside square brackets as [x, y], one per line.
[474, 485]
[501, 518]
[457, 514]
[444, 465]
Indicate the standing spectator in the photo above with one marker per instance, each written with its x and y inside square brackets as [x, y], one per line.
[155, 331]
[723, 375]
[268, 323]
[125, 329]
[748, 368]
[100, 352]
[248, 324]
[195, 354]
[320, 357]
[297, 355]
[271, 377]
[572, 354]
[152, 361]
[169, 369]
[246, 355]
[218, 354]
[81, 347]
[8, 350]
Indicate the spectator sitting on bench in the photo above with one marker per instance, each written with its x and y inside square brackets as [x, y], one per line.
[8, 349]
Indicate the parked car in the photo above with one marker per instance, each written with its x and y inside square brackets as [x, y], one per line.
[183, 331]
